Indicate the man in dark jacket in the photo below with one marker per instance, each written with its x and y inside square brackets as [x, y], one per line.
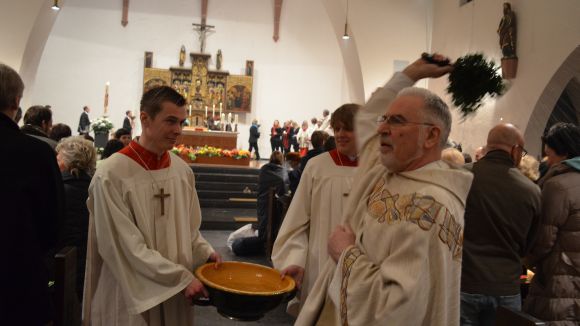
[254, 135]
[272, 175]
[502, 210]
[84, 121]
[128, 121]
[318, 139]
[31, 195]
[38, 124]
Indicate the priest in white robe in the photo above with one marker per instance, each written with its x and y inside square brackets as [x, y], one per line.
[320, 200]
[144, 240]
[400, 264]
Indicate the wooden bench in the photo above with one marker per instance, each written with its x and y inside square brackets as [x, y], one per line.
[66, 304]
[508, 317]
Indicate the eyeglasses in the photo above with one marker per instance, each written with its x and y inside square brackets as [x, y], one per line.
[398, 121]
[524, 152]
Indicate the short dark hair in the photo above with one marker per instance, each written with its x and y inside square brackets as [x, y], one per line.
[564, 139]
[112, 147]
[121, 132]
[318, 138]
[127, 112]
[88, 137]
[60, 131]
[293, 156]
[85, 108]
[11, 87]
[153, 99]
[329, 144]
[277, 157]
[36, 114]
[345, 116]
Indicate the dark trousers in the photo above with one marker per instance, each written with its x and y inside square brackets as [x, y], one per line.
[254, 145]
[250, 246]
[276, 144]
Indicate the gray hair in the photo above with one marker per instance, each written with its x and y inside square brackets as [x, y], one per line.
[11, 87]
[78, 154]
[435, 110]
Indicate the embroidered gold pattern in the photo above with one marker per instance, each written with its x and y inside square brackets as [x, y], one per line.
[424, 211]
[349, 258]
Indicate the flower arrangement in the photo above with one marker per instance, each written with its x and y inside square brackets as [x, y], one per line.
[183, 150]
[102, 125]
[209, 151]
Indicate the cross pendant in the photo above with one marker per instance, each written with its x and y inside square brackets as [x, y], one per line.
[162, 195]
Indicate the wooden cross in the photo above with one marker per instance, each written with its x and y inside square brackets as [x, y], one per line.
[162, 195]
[203, 29]
[125, 18]
[277, 14]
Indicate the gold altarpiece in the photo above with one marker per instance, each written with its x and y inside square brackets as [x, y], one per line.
[205, 90]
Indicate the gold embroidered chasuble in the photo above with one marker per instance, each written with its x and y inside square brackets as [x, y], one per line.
[405, 267]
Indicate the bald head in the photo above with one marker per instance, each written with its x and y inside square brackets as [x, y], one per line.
[504, 135]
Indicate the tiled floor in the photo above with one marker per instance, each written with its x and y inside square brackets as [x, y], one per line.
[209, 316]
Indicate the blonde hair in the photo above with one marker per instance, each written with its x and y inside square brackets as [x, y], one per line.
[453, 156]
[530, 167]
[78, 154]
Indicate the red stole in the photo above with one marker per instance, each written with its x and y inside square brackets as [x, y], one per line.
[145, 158]
[341, 159]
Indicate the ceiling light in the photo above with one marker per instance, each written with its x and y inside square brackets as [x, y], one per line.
[55, 6]
[345, 36]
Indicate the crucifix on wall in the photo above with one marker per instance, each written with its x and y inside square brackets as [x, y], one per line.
[203, 30]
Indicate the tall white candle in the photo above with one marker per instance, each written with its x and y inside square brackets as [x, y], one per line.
[106, 98]
[190, 110]
[206, 111]
[236, 119]
[213, 111]
[230, 117]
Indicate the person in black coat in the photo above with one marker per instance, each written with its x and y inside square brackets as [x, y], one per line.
[276, 133]
[254, 135]
[128, 121]
[84, 121]
[271, 175]
[77, 159]
[31, 199]
[318, 139]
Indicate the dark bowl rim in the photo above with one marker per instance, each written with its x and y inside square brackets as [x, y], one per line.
[211, 284]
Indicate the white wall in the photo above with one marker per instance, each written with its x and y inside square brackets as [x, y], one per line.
[386, 31]
[16, 21]
[295, 78]
[548, 31]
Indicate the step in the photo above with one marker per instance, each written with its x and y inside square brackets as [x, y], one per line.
[208, 169]
[225, 186]
[225, 218]
[224, 194]
[237, 178]
[228, 203]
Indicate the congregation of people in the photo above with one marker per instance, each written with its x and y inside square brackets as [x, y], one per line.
[379, 218]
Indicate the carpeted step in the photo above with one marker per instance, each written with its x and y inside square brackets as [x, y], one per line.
[234, 178]
[228, 203]
[225, 186]
[225, 218]
[224, 194]
[220, 169]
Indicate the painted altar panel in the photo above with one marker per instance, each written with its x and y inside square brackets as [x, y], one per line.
[239, 94]
[216, 85]
[181, 81]
[153, 77]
